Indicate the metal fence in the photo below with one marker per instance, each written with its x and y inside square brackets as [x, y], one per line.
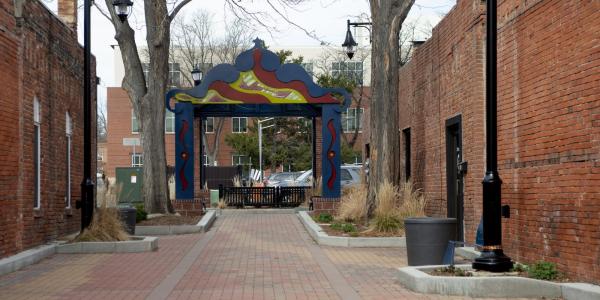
[263, 196]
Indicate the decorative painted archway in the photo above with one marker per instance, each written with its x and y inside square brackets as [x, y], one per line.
[257, 85]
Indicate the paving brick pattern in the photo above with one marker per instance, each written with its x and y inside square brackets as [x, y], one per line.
[244, 256]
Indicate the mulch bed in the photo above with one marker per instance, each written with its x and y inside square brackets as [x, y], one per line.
[361, 231]
[456, 272]
[171, 220]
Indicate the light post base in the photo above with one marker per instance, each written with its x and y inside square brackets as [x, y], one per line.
[87, 203]
[493, 261]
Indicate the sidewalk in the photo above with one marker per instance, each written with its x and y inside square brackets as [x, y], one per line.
[244, 256]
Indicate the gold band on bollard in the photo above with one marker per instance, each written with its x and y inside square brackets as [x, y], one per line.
[494, 247]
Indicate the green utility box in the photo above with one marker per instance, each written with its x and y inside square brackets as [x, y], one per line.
[214, 198]
[130, 180]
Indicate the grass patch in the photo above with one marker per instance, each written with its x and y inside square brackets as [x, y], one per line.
[543, 270]
[323, 218]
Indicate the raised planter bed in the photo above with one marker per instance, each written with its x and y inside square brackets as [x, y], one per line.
[322, 238]
[137, 244]
[417, 279]
[202, 226]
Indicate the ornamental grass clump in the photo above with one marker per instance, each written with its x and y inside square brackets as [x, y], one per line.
[387, 217]
[412, 201]
[106, 224]
[353, 206]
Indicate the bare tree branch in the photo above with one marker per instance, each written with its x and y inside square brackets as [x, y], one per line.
[177, 9]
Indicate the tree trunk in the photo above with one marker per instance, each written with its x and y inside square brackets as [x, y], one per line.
[147, 94]
[384, 138]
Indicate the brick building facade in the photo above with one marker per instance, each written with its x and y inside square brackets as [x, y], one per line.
[41, 115]
[548, 125]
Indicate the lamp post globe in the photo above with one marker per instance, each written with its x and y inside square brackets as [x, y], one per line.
[123, 8]
[197, 76]
[349, 43]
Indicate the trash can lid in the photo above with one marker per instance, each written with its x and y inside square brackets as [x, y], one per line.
[428, 220]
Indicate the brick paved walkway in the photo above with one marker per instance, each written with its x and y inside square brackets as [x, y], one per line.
[244, 256]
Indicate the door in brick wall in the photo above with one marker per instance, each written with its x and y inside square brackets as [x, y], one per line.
[454, 174]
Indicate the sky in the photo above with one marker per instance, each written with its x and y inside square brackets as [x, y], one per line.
[325, 19]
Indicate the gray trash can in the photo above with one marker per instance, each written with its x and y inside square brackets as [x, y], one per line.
[427, 239]
[127, 215]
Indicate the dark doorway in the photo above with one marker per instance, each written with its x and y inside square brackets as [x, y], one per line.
[406, 141]
[455, 169]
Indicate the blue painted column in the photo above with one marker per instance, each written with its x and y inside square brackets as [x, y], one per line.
[184, 151]
[331, 151]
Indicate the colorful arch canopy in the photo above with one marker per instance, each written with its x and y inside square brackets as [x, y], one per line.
[257, 77]
[258, 85]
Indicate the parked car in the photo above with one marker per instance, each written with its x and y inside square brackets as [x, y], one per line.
[281, 179]
[350, 175]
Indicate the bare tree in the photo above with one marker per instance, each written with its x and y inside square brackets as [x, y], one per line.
[194, 44]
[384, 141]
[147, 94]
[101, 127]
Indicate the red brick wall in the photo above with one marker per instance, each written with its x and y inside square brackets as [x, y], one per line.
[41, 59]
[445, 79]
[548, 128]
[549, 132]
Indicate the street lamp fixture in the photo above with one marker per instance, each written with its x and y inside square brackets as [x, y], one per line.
[197, 75]
[350, 44]
[123, 8]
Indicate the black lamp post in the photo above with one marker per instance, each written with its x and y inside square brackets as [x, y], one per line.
[492, 257]
[86, 204]
[87, 185]
[197, 75]
[349, 43]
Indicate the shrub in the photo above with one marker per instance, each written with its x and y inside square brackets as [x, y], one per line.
[412, 201]
[345, 227]
[106, 226]
[140, 213]
[543, 270]
[387, 218]
[353, 206]
[222, 204]
[324, 218]
[518, 267]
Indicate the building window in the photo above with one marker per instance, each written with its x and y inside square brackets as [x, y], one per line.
[352, 119]
[240, 125]
[169, 122]
[36, 155]
[406, 141]
[209, 125]
[351, 70]
[68, 132]
[205, 160]
[137, 160]
[240, 160]
[174, 74]
[135, 126]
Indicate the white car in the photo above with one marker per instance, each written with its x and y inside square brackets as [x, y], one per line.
[350, 175]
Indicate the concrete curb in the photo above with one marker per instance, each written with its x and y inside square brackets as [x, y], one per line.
[322, 238]
[146, 244]
[28, 257]
[415, 279]
[202, 226]
[467, 252]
